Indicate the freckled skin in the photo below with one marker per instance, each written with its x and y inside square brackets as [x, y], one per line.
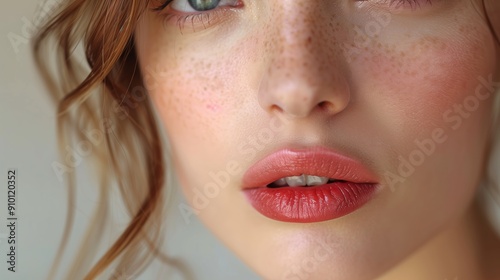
[370, 94]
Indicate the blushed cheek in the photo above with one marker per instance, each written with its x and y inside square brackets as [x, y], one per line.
[414, 84]
[195, 97]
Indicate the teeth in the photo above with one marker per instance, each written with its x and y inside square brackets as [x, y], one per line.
[281, 182]
[316, 180]
[295, 181]
[302, 180]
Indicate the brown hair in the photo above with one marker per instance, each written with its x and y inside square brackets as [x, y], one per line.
[103, 99]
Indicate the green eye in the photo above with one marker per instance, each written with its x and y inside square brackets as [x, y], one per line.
[203, 5]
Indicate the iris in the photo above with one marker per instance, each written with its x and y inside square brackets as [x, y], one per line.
[204, 5]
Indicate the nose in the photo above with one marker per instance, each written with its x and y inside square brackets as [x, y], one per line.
[302, 74]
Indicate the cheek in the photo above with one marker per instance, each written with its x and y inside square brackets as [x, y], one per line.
[418, 84]
[428, 82]
[431, 121]
[194, 100]
[194, 96]
[200, 96]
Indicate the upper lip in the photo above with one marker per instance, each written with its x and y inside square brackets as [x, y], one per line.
[317, 161]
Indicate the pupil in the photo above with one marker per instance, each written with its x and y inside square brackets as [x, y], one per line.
[204, 5]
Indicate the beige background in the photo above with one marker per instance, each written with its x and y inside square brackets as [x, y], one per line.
[27, 142]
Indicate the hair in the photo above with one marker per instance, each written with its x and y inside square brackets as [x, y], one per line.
[105, 97]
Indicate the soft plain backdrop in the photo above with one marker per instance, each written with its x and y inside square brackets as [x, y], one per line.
[28, 143]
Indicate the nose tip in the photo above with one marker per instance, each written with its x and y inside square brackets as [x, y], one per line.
[295, 98]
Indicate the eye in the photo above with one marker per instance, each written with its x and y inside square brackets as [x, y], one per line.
[200, 14]
[196, 5]
[192, 6]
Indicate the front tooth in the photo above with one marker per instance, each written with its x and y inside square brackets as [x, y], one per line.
[315, 180]
[294, 181]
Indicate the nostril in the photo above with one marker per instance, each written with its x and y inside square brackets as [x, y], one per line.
[325, 105]
[276, 108]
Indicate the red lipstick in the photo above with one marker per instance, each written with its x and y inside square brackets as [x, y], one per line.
[351, 185]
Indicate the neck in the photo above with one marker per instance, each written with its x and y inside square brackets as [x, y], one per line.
[467, 249]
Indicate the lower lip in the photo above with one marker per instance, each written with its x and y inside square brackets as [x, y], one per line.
[310, 204]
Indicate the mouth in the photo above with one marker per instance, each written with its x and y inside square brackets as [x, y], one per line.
[303, 180]
[306, 186]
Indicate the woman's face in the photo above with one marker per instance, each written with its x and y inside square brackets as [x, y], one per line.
[399, 86]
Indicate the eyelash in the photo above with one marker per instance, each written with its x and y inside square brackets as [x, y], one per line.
[204, 18]
[163, 6]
